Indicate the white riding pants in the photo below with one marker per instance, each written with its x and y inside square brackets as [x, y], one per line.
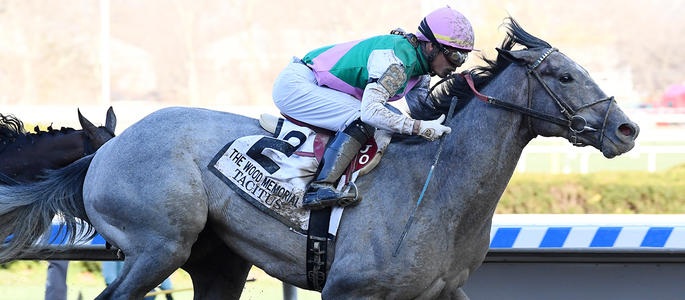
[297, 94]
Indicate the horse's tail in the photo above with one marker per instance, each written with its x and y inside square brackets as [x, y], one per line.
[27, 210]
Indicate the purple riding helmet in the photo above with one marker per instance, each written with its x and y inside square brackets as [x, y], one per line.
[448, 27]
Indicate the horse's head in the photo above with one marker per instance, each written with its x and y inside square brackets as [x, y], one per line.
[571, 104]
[556, 94]
[24, 156]
[98, 135]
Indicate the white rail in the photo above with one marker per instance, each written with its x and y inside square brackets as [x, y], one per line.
[555, 150]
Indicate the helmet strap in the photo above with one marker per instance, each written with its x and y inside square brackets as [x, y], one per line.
[430, 56]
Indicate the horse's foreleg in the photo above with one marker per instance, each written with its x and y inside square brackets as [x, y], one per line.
[454, 294]
[217, 272]
[453, 288]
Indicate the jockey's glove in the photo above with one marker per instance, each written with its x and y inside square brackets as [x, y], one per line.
[432, 129]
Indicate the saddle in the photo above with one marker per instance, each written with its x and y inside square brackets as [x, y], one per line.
[323, 223]
[367, 159]
[272, 172]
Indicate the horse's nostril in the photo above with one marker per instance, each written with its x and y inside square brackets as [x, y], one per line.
[626, 129]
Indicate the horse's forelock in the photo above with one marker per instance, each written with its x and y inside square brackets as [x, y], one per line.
[516, 35]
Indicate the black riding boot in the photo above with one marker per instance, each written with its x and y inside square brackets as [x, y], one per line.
[337, 156]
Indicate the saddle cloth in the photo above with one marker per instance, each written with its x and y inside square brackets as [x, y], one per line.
[272, 172]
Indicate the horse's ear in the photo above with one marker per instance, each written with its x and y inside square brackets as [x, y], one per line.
[87, 126]
[111, 121]
[518, 56]
[96, 135]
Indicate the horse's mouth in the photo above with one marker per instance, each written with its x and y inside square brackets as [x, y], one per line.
[611, 148]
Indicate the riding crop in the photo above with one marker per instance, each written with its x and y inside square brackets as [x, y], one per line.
[425, 185]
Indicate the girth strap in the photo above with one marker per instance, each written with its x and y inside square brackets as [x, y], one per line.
[317, 248]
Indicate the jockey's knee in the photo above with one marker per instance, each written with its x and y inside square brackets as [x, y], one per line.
[360, 131]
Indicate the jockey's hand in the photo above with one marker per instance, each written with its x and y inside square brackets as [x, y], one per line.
[433, 130]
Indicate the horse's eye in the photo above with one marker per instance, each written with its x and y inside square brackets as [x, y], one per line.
[565, 78]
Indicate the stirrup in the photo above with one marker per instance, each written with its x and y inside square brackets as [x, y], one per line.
[348, 200]
[328, 196]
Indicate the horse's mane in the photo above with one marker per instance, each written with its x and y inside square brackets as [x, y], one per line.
[439, 101]
[12, 130]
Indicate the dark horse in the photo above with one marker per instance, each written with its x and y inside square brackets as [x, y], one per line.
[24, 156]
[153, 196]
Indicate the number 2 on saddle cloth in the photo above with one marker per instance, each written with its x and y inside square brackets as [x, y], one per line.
[363, 159]
[272, 172]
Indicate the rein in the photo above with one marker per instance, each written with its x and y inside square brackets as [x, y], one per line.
[428, 178]
[573, 121]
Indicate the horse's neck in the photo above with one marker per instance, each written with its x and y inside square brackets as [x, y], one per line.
[483, 149]
[25, 159]
[61, 149]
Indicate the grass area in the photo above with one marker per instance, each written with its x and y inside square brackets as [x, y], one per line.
[619, 192]
[26, 280]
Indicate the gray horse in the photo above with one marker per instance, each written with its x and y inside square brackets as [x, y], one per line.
[150, 193]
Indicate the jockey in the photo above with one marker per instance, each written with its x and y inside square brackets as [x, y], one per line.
[345, 87]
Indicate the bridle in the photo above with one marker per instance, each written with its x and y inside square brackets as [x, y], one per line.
[572, 120]
[575, 122]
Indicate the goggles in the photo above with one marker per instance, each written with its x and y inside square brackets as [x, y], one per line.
[455, 57]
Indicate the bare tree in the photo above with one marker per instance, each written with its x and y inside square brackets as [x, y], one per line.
[209, 52]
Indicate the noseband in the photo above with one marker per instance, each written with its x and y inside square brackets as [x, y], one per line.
[572, 120]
